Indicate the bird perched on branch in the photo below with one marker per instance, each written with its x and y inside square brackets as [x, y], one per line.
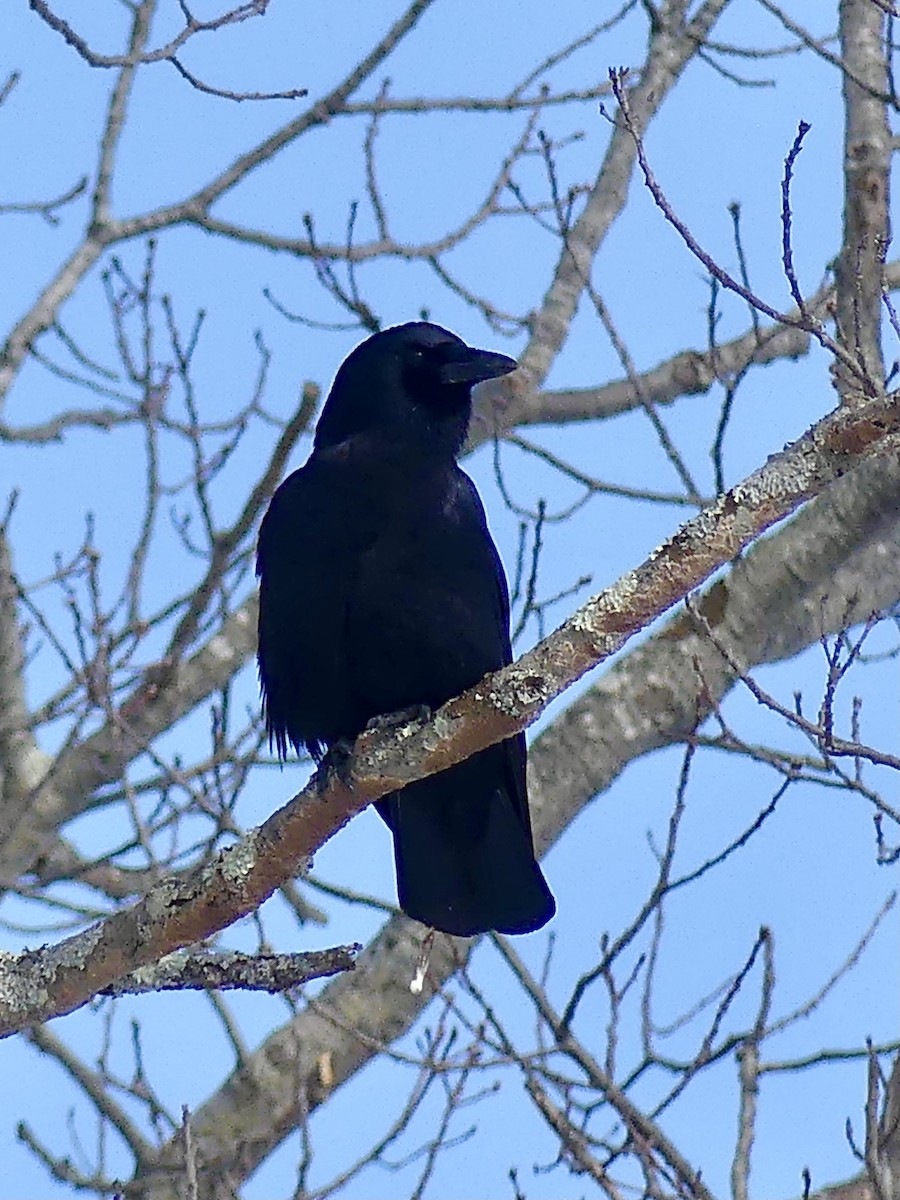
[382, 591]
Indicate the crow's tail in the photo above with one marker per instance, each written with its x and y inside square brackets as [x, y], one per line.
[465, 861]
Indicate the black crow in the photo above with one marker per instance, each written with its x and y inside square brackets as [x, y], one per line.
[382, 591]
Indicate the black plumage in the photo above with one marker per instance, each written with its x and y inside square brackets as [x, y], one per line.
[381, 591]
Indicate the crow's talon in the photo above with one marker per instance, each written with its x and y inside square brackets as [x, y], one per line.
[337, 762]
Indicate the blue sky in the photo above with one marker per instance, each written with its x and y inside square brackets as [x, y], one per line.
[811, 875]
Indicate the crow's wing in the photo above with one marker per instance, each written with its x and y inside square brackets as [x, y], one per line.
[429, 617]
[309, 548]
[429, 614]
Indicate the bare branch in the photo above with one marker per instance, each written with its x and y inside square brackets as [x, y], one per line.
[205, 970]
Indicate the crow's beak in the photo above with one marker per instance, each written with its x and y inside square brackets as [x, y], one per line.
[474, 366]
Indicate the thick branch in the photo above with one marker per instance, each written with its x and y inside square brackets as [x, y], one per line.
[21, 762]
[867, 161]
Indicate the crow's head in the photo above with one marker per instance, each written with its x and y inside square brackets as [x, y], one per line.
[413, 383]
